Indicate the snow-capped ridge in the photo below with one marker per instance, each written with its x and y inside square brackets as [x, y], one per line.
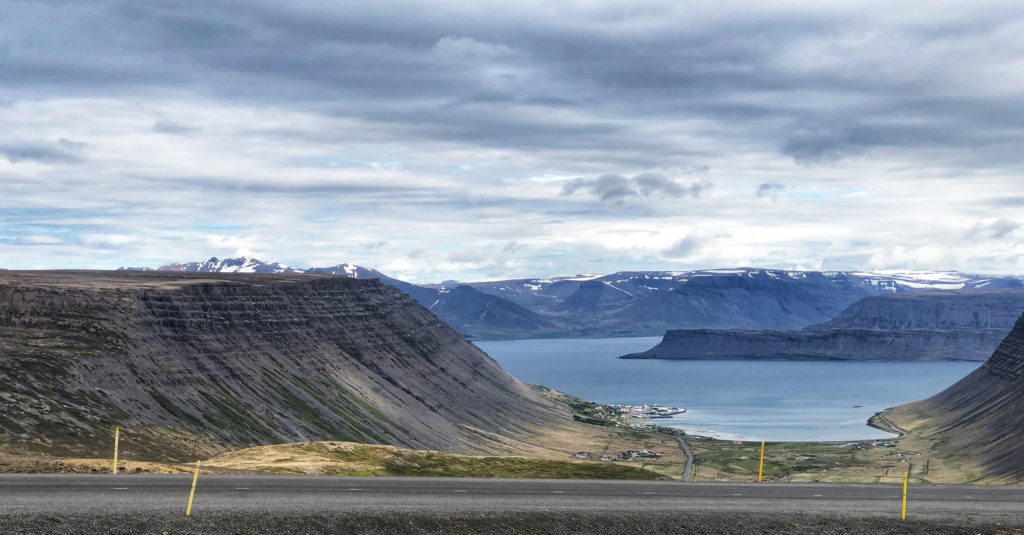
[242, 264]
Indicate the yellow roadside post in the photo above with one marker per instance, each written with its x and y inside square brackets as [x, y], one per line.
[192, 493]
[903, 510]
[117, 438]
[760, 467]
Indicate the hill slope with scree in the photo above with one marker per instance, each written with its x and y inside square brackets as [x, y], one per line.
[979, 421]
[197, 363]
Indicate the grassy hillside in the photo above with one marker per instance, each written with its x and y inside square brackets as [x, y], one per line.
[344, 458]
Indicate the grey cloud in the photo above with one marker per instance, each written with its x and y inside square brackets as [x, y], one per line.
[820, 145]
[1013, 200]
[616, 189]
[373, 244]
[164, 126]
[512, 247]
[770, 190]
[535, 91]
[685, 247]
[994, 230]
[464, 256]
[469, 49]
[612, 188]
[62, 151]
[392, 63]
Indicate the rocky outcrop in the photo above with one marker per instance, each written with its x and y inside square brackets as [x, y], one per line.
[195, 363]
[965, 325]
[980, 420]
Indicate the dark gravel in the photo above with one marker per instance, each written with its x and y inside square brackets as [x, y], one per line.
[691, 523]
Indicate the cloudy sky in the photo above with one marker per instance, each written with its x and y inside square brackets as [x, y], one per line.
[478, 140]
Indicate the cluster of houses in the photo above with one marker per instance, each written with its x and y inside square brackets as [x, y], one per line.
[628, 455]
[632, 454]
[635, 412]
[648, 411]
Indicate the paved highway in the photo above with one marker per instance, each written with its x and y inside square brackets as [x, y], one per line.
[59, 494]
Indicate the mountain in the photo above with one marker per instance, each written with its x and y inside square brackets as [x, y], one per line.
[472, 313]
[594, 297]
[930, 325]
[978, 423]
[643, 303]
[649, 303]
[195, 363]
[547, 293]
[931, 310]
[486, 316]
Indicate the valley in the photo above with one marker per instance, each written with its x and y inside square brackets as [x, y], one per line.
[196, 365]
[315, 373]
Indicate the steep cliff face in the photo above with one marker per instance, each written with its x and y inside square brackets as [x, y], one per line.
[980, 419]
[965, 325]
[194, 363]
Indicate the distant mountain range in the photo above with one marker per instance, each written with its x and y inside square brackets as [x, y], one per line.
[639, 303]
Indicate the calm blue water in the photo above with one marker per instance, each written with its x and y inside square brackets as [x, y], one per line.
[759, 400]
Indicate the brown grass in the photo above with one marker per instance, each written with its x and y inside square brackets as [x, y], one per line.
[350, 459]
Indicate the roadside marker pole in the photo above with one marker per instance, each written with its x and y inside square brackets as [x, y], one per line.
[117, 438]
[760, 467]
[903, 510]
[192, 493]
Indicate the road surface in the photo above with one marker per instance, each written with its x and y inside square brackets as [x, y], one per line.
[64, 493]
[285, 505]
[688, 469]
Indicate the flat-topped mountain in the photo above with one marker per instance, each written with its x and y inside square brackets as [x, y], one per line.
[192, 363]
[978, 423]
[933, 325]
[933, 310]
[467, 310]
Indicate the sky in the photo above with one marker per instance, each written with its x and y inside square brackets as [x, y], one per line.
[485, 140]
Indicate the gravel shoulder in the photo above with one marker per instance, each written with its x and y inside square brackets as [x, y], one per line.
[521, 523]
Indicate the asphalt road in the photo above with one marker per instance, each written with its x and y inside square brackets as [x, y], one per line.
[688, 469]
[64, 494]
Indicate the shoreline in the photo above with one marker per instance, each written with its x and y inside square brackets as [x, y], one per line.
[880, 422]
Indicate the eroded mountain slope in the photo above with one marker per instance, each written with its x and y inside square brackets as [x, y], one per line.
[195, 363]
[978, 423]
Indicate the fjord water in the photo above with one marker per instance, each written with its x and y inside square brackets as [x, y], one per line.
[738, 399]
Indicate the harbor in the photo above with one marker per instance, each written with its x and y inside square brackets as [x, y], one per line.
[648, 411]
